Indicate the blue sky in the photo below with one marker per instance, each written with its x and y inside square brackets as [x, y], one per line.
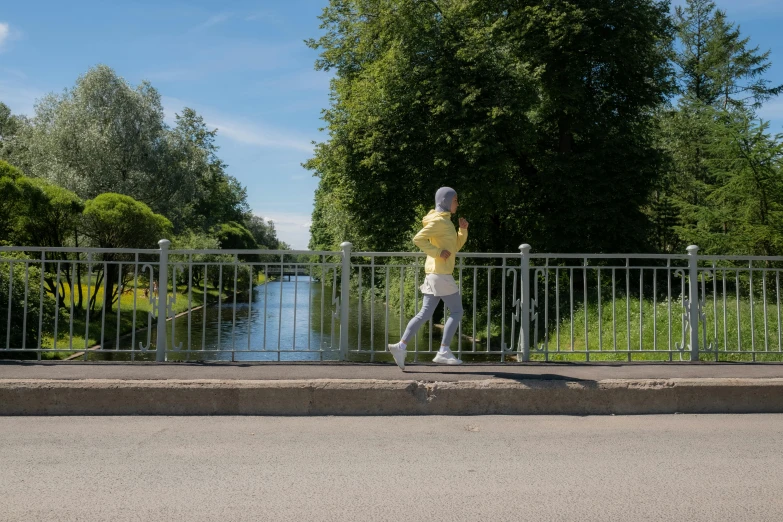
[243, 65]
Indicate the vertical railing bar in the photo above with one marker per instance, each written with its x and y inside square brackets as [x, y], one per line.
[655, 309]
[557, 310]
[459, 327]
[503, 312]
[764, 308]
[204, 309]
[546, 307]
[26, 295]
[120, 289]
[172, 302]
[475, 289]
[614, 307]
[296, 298]
[135, 292]
[737, 291]
[359, 313]
[386, 308]
[628, 306]
[669, 305]
[345, 299]
[534, 294]
[234, 309]
[41, 304]
[57, 304]
[416, 291]
[715, 306]
[10, 304]
[190, 304]
[489, 308]
[8, 313]
[752, 315]
[600, 312]
[310, 269]
[87, 312]
[103, 304]
[777, 294]
[220, 305]
[584, 298]
[725, 321]
[372, 304]
[280, 306]
[334, 314]
[704, 299]
[324, 274]
[310, 307]
[641, 309]
[571, 303]
[402, 298]
[251, 292]
[70, 321]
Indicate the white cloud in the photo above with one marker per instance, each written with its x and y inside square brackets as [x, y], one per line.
[292, 228]
[5, 34]
[214, 20]
[240, 130]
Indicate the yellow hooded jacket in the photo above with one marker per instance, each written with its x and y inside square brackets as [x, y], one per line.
[438, 235]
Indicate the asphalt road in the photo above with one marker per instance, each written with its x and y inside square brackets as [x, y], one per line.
[678, 467]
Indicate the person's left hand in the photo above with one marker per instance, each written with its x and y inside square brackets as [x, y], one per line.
[463, 223]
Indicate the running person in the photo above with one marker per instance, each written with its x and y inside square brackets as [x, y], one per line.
[440, 241]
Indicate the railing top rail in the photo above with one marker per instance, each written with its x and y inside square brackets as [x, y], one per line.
[422, 254]
[610, 256]
[532, 256]
[467, 255]
[80, 250]
[257, 252]
[740, 258]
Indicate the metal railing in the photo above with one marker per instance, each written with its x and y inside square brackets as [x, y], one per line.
[162, 304]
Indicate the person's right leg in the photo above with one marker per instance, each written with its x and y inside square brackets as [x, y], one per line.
[399, 350]
[454, 303]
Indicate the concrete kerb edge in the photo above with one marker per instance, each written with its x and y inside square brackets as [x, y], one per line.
[382, 397]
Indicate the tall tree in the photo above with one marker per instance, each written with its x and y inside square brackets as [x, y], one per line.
[119, 221]
[721, 82]
[105, 135]
[539, 113]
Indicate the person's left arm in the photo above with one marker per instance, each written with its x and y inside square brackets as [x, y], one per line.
[462, 234]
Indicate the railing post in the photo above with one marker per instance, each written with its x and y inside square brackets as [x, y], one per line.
[524, 301]
[693, 300]
[345, 288]
[163, 299]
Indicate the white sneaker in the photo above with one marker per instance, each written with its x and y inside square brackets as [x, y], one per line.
[446, 358]
[399, 352]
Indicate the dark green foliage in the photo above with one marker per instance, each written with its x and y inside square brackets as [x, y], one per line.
[118, 221]
[234, 236]
[532, 112]
[24, 327]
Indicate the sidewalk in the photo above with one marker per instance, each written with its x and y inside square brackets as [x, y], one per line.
[77, 388]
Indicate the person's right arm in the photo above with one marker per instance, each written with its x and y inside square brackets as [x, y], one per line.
[422, 240]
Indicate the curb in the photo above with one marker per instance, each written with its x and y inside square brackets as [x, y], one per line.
[377, 397]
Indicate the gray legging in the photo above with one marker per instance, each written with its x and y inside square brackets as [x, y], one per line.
[454, 304]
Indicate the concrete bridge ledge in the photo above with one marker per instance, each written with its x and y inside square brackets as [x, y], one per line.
[388, 397]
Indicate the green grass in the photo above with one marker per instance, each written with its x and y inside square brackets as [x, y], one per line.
[732, 335]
